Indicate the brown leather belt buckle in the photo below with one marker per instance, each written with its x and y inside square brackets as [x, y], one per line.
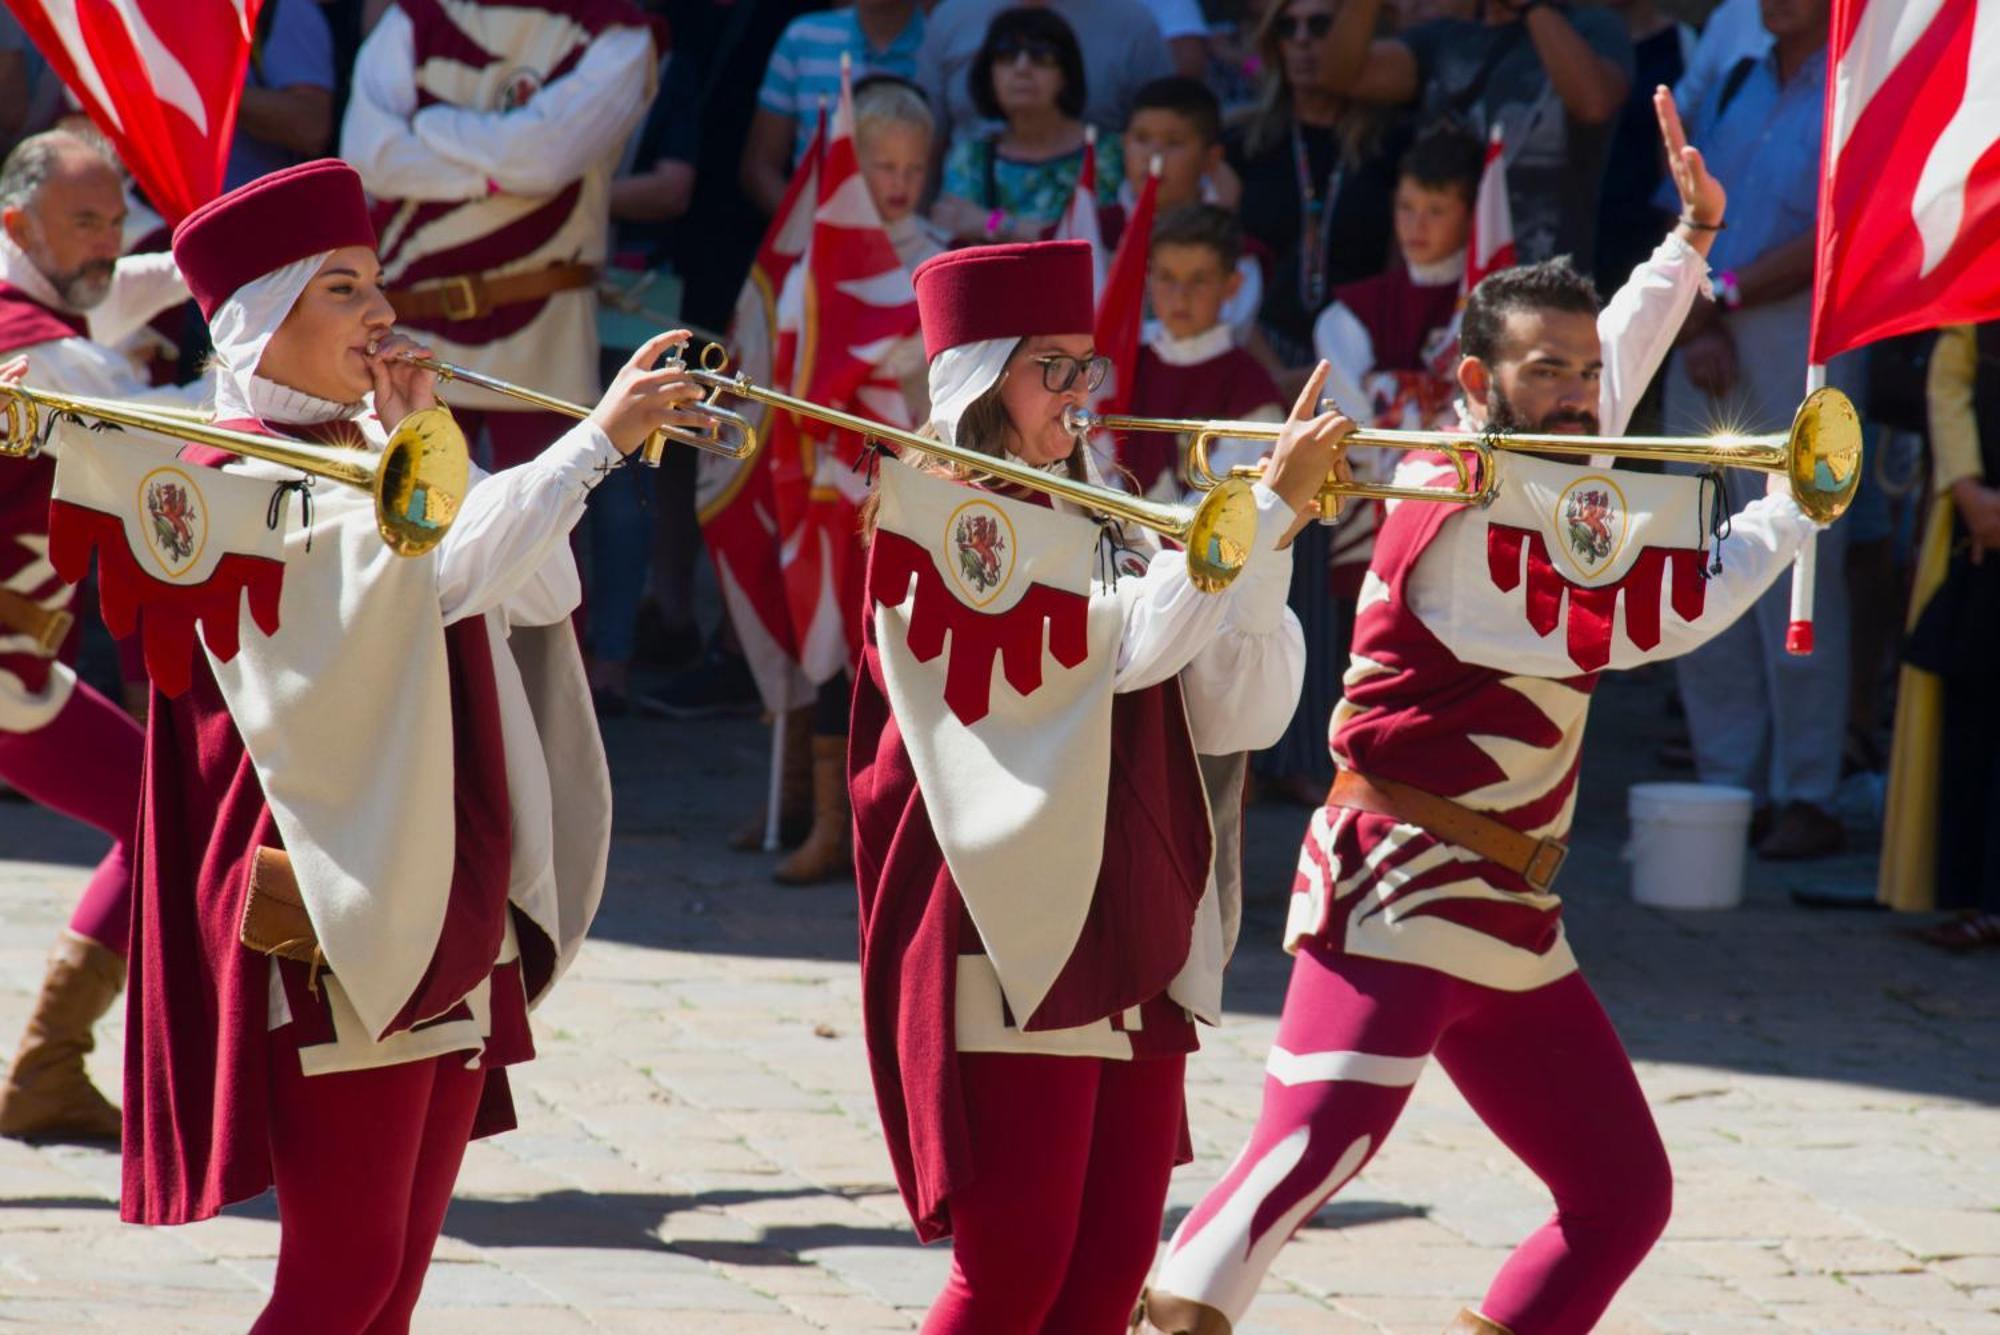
[1548, 859]
[461, 297]
[55, 629]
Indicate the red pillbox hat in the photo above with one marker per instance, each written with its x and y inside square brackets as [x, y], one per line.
[269, 223]
[1015, 291]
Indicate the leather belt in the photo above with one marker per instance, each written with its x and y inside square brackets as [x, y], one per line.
[23, 615]
[469, 296]
[1534, 860]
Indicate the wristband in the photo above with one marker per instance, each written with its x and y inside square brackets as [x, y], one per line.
[1728, 295]
[1700, 226]
[993, 221]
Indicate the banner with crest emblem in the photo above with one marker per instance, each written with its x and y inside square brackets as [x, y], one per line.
[998, 654]
[1592, 551]
[177, 546]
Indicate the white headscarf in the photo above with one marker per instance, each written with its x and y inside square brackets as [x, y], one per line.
[242, 327]
[960, 375]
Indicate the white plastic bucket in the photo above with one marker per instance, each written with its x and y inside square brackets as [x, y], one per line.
[1688, 843]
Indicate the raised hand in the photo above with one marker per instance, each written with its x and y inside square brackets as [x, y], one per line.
[1703, 199]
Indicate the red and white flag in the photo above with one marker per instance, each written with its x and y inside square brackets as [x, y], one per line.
[859, 305]
[1909, 205]
[161, 78]
[1079, 221]
[1489, 245]
[1121, 301]
[733, 498]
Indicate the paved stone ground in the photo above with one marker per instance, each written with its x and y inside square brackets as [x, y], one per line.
[698, 1150]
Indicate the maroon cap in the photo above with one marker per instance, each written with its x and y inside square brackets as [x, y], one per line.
[1015, 291]
[273, 221]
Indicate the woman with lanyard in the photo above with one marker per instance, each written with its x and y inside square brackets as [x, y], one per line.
[1033, 848]
[1319, 183]
[388, 760]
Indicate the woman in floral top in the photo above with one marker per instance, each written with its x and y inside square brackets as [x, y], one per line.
[1013, 184]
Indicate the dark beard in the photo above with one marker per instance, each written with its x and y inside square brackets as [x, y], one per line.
[1502, 416]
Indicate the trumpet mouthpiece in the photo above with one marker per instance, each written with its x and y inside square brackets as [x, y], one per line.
[1079, 421]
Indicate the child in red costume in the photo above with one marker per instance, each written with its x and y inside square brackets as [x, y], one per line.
[1031, 970]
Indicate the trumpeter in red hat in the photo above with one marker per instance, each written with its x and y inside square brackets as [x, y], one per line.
[1040, 923]
[381, 759]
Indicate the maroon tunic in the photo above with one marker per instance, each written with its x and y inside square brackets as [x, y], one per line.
[1230, 386]
[25, 484]
[914, 924]
[196, 1130]
[1400, 314]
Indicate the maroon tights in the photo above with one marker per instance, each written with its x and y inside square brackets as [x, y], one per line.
[364, 1163]
[85, 764]
[1059, 1223]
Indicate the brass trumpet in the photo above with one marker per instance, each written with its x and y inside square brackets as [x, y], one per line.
[1820, 454]
[728, 434]
[1218, 534]
[418, 480]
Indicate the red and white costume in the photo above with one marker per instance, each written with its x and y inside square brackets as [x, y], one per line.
[1480, 637]
[417, 737]
[62, 743]
[488, 134]
[1204, 378]
[1040, 921]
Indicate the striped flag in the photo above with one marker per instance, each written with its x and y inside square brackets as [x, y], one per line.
[1909, 206]
[161, 79]
[1490, 243]
[1079, 221]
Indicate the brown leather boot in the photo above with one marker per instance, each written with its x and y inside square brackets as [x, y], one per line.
[795, 792]
[1167, 1314]
[1469, 1322]
[827, 854]
[47, 1093]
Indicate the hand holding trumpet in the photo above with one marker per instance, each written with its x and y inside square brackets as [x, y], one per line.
[1311, 447]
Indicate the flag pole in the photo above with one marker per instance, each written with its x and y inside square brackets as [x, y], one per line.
[774, 793]
[1805, 565]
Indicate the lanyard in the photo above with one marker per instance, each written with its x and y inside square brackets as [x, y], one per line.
[1315, 223]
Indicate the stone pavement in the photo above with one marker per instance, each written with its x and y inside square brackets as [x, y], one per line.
[698, 1150]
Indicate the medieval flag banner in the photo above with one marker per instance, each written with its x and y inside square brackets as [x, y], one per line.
[1909, 207]
[1490, 243]
[733, 497]
[161, 79]
[178, 547]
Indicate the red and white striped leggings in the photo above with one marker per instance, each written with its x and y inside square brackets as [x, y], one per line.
[1542, 1068]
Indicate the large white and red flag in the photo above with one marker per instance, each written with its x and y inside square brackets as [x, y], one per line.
[1489, 243]
[161, 78]
[1079, 221]
[733, 498]
[1909, 206]
[859, 305]
[1121, 302]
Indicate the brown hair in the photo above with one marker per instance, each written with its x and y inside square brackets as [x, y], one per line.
[1361, 125]
[1205, 225]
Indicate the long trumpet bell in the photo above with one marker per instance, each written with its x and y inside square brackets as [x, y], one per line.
[1820, 454]
[727, 434]
[417, 481]
[1473, 487]
[1218, 534]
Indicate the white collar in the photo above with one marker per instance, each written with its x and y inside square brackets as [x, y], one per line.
[1450, 269]
[273, 402]
[18, 269]
[1206, 346]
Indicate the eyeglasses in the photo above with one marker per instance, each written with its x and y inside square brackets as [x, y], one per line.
[1312, 27]
[1059, 372]
[1009, 49]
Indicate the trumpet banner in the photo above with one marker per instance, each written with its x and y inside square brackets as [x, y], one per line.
[179, 547]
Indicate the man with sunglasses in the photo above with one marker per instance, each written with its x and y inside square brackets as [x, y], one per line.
[1122, 49]
[1551, 77]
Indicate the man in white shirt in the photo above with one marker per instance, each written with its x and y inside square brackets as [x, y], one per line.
[65, 296]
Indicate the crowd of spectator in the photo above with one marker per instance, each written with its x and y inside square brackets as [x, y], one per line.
[1309, 151]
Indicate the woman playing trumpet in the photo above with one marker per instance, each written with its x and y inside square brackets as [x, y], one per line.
[388, 760]
[1033, 846]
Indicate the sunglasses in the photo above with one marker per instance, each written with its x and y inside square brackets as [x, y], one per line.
[1312, 28]
[1009, 49]
[1059, 372]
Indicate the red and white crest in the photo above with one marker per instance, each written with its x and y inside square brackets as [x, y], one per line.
[1592, 519]
[982, 539]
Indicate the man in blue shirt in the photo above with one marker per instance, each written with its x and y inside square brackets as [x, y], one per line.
[1759, 717]
[878, 37]
[286, 116]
